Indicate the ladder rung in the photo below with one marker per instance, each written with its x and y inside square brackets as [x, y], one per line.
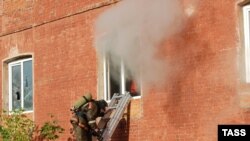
[112, 107]
[119, 96]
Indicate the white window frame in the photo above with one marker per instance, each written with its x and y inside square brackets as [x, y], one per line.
[14, 63]
[246, 19]
[106, 79]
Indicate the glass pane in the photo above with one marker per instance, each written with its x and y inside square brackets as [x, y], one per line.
[16, 87]
[27, 86]
[115, 78]
[248, 22]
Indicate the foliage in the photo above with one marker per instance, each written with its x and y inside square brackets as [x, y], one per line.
[18, 127]
[51, 130]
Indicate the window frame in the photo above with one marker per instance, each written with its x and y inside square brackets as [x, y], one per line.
[21, 63]
[106, 78]
[246, 22]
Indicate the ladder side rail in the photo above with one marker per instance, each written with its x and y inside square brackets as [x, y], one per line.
[112, 124]
[119, 112]
[113, 100]
[116, 112]
[111, 128]
[112, 104]
[121, 107]
[103, 121]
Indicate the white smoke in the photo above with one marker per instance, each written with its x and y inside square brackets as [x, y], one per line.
[132, 30]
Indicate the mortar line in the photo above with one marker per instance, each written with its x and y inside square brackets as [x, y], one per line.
[88, 8]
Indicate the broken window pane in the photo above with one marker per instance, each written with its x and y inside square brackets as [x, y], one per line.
[21, 85]
[16, 87]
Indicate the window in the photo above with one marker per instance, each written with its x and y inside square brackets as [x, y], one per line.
[117, 80]
[20, 85]
[246, 17]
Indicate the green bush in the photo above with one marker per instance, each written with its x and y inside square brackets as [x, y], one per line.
[18, 127]
[51, 130]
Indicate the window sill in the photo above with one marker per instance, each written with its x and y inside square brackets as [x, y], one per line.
[27, 112]
[133, 98]
[136, 97]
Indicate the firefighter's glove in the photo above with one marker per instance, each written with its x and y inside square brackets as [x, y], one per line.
[99, 138]
[97, 132]
[101, 114]
[74, 120]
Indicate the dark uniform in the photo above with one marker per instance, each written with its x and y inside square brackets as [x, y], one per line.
[86, 119]
[80, 132]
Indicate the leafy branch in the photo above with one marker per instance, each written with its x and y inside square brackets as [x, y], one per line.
[18, 127]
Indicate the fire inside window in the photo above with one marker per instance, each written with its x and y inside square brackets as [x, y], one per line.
[246, 17]
[20, 85]
[117, 80]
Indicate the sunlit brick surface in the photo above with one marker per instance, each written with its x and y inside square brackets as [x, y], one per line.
[203, 86]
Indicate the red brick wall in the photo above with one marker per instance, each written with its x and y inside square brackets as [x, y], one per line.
[202, 89]
[203, 86]
[65, 66]
[21, 14]
[65, 62]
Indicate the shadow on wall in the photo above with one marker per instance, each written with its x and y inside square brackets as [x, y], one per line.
[122, 131]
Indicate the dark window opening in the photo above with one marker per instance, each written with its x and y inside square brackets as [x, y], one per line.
[114, 87]
[119, 80]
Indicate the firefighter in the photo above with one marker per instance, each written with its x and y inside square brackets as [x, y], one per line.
[86, 110]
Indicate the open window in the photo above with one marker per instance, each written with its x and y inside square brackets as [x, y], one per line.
[20, 84]
[118, 80]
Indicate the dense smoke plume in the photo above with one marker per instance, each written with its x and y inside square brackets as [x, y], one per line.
[132, 31]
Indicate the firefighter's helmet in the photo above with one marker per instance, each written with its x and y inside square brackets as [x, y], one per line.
[83, 100]
[102, 104]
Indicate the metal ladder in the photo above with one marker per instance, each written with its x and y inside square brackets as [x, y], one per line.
[110, 120]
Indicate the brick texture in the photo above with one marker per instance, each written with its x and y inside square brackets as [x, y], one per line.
[203, 89]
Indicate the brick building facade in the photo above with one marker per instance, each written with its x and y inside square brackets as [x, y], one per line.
[206, 85]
